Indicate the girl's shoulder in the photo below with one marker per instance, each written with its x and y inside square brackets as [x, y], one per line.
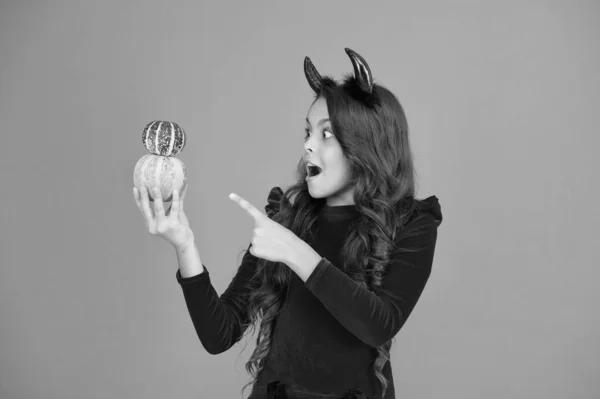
[420, 208]
[273, 201]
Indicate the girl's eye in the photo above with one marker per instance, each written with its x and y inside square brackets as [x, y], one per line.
[308, 133]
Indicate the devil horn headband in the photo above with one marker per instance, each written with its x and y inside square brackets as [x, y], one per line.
[314, 79]
[362, 73]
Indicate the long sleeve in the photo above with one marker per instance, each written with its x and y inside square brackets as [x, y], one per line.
[376, 317]
[218, 320]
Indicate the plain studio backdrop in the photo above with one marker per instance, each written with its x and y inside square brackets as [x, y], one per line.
[502, 100]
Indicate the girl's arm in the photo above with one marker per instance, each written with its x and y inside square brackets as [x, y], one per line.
[218, 320]
[189, 261]
[376, 317]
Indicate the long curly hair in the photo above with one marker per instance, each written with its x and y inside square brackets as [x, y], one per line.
[374, 139]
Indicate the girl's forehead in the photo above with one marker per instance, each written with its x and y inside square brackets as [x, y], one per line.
[318, 111]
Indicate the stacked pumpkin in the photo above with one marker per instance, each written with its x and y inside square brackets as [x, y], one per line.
[160, 168]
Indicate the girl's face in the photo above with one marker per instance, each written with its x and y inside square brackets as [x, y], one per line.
[323, 150]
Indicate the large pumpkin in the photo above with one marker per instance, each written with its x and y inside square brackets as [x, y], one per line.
[163, 138]
[168, 173]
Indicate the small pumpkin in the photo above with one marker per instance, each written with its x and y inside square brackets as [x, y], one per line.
[163, 138]
[167, 173]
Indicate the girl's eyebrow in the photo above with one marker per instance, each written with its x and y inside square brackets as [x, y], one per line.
[320, 122]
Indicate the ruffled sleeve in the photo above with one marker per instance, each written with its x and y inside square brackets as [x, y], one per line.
[431, 205]
[274, 200]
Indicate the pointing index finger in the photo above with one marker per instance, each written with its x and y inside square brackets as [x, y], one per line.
[251, 209]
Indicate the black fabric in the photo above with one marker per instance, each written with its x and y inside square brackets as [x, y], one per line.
[278, 390]
[326, 336]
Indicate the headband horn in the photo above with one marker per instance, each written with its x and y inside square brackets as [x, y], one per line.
[314, 79]
[362, 73]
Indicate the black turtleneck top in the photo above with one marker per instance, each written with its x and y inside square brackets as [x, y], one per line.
[323, 344]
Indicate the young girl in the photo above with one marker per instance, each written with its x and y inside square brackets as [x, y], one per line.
[326, 334]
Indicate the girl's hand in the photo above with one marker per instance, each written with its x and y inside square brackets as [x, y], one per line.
[270, 240]
[173, 226]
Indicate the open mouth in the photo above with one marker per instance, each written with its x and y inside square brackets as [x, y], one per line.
[313, 170]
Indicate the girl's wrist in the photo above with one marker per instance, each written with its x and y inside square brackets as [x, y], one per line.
[186, 246]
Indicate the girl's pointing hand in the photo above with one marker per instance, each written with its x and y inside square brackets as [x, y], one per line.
[270, 240]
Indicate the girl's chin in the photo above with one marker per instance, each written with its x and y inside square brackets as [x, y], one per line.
[312, 179]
